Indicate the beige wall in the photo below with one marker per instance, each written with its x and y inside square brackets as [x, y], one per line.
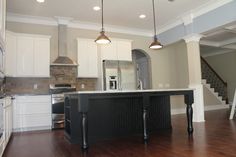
[169, 65]
[209, 98]
[224, 65]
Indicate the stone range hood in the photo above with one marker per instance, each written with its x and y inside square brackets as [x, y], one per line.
[62, 58]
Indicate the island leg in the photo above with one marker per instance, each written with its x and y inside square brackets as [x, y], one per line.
[189, 111]
[145, 133]
[84, 131]
[146, 102]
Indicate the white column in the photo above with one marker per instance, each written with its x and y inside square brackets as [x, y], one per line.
[195, 76]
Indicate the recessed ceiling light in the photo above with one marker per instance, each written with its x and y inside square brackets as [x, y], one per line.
[142, 16]
[40, 1]
[96, 8]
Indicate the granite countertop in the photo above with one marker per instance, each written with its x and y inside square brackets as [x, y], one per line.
[131, 91]
[25, 94]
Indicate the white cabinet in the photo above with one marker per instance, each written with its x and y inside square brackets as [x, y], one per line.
[27, 55]
[10, 56]
[118, 49]
[42, 57]
[32, 113]
[7, 123]
[2, 22]
[87, 58]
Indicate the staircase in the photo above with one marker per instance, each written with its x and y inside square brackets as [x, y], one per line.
[213, 82]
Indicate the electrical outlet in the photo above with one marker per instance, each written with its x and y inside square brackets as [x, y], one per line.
[167, 85]
[160, 85]
[82, 86]
[35, 86]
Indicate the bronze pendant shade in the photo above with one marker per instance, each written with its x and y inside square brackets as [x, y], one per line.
[102, 38]
[155, 44]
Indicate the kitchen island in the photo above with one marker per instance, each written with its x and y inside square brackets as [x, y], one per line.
[98, 115]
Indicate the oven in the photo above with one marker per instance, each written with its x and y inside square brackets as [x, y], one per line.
[57, 91]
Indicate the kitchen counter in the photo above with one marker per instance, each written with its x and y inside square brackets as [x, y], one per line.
[30, 94]
[97, 115]
[131, 91]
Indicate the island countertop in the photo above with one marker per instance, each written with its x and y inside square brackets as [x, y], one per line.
[131, 91]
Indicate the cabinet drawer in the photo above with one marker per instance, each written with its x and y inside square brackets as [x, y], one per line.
[32, 108]
[24, 121]
[32, 99]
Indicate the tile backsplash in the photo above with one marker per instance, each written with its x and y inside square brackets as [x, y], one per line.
[58, 74]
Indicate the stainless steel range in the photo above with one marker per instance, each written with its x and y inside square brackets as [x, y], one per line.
[57, 91]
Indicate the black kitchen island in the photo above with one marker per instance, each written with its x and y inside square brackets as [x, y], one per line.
[99, 115]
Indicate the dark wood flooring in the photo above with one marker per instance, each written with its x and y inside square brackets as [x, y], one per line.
[214, 138]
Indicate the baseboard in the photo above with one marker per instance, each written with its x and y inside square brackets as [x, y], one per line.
[215, 107]
[178, 111]
[206, 108]
[32, 129]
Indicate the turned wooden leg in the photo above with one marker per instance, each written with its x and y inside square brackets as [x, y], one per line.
[84, 131]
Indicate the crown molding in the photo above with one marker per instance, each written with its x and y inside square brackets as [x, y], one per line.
[12, 17]
[213, 4]
[192, 37]
[63, 20]
[220, 52]
[186, 18]
[209, 43]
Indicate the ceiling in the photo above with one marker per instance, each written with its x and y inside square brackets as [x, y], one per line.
[219, 41]
[117, 12]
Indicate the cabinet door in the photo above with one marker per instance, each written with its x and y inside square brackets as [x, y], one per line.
[92, 59]
[2, 20]
[87, 58]
[41, 57]
[108, 51]
[10, 57]
[124, 51]
[7, 119]
[25, 56]
[32, 113]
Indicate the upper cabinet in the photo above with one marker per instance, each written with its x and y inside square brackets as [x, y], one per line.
[118, 49]
[2, 22]
[87, 58]
[27, 55]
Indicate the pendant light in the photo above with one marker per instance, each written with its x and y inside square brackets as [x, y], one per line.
[155, 44]
[102, 38]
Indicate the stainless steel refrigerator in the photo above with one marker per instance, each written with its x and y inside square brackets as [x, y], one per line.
[119, 75]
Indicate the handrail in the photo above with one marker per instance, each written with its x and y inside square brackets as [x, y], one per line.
[213, 70]
[214, 79]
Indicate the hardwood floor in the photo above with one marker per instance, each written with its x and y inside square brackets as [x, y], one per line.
[214, 138]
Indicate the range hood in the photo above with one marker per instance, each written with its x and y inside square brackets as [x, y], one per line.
[62, 58]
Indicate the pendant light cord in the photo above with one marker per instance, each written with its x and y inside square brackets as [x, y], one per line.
[102, 17]
[154, 18]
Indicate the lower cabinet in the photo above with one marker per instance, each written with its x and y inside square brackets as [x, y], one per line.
[32, 113]
[7, 123]
[72, 118]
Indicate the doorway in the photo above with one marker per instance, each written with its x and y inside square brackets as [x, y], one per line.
[143, 69]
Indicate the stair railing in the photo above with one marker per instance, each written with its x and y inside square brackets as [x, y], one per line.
[214, 79]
